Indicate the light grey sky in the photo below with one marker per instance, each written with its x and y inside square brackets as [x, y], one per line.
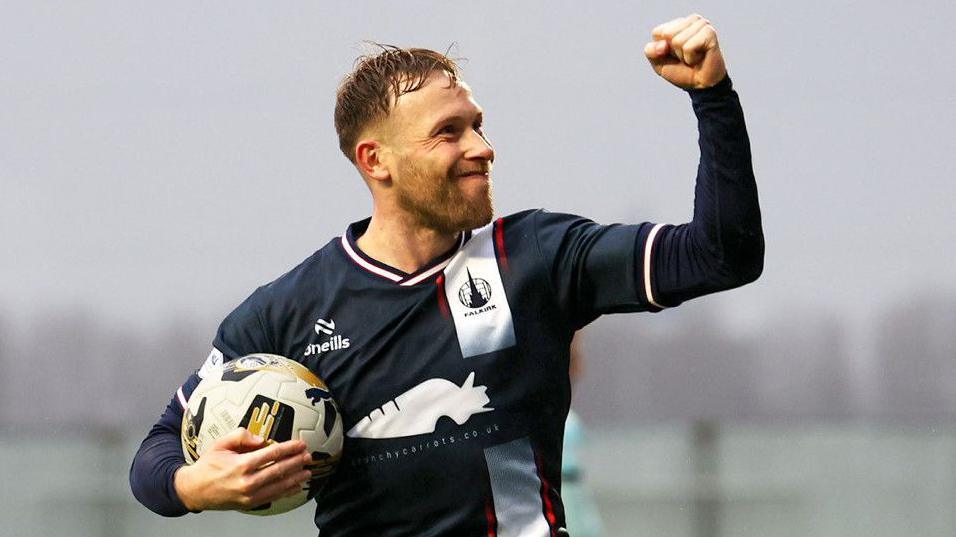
[166, 158]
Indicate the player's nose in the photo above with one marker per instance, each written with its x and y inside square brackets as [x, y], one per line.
[479, 147]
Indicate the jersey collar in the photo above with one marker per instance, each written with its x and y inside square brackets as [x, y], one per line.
[353, 252]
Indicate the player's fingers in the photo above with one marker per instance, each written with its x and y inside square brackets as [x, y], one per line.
[702, 43]
[275, 452]
[673, 31]
[697, 45]
[655, 50]
[669, 29]
[664, 30]
[278, 471]
[293, 490]
[680, 40]
[251, 442]
[239, 440]
[658, 56]
[658, 32]
[277, 489]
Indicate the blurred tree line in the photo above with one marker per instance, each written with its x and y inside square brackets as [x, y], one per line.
[69, 369]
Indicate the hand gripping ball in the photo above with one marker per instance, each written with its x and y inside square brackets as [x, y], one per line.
[275, 398]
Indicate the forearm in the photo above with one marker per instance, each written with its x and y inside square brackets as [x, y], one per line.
[726, 209]
[722, 247]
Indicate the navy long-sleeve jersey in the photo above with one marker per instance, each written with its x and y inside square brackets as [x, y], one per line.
[453, 381]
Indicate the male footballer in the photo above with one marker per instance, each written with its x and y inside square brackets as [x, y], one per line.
[453, 385]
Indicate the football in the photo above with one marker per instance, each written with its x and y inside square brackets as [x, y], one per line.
[275, 398]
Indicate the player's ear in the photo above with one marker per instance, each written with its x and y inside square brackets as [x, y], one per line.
[368, 159]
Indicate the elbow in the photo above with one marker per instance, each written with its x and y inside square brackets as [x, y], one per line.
[140, 490]
[150, 488]
[746, 264]
[749, 273]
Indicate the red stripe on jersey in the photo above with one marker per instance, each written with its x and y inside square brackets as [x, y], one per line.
[442, 302]
[490, 516]
[546, 498]
[500, 243]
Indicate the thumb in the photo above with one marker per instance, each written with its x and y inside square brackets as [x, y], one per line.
[239, 440]
[656, 50]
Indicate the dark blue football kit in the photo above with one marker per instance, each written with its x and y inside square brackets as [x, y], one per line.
[453, 381]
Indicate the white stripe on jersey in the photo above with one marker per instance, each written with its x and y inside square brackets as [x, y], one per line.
[516, 490]
[434, 270]
[483, 323]
[182, 397]
[365, 264]
[648, 248]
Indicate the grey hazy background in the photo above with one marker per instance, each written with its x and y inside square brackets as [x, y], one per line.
[158, 161]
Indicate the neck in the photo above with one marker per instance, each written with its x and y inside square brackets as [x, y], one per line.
[402, 244]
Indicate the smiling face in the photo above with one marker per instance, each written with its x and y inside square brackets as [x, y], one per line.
[438, 157]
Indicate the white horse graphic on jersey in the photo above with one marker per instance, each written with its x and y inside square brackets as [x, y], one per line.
[417, 411]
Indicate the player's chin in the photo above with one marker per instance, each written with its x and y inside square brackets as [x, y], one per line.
[475, 221]
[480, 214]
[471, 213]
[476, 208]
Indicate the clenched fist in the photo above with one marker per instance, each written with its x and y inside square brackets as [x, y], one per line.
[685, 52]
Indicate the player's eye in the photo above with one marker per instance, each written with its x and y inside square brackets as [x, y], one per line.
[478, 128]
[448, 130]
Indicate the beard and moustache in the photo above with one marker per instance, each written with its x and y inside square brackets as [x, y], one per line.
[438, 202]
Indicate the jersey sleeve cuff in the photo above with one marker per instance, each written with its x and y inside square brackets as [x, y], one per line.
[177, 503]
[719, 91]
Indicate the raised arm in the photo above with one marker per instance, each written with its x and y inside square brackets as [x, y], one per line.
[722, 247]
[599, 269]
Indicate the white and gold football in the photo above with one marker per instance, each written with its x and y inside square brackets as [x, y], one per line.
[275, 398]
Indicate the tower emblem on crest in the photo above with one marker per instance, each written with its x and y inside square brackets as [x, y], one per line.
[475, 293]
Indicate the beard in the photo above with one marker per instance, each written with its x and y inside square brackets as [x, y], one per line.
[438, 201]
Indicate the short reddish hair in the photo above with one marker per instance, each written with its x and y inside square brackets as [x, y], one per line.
[367, 94]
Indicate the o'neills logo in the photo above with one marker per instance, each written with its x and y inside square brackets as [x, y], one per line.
[334, 343]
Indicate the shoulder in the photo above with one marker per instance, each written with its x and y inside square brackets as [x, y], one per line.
[541, 225]
[256, 325]
[541, 217]
[519, 217]
[536, 219]
[301, 278]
